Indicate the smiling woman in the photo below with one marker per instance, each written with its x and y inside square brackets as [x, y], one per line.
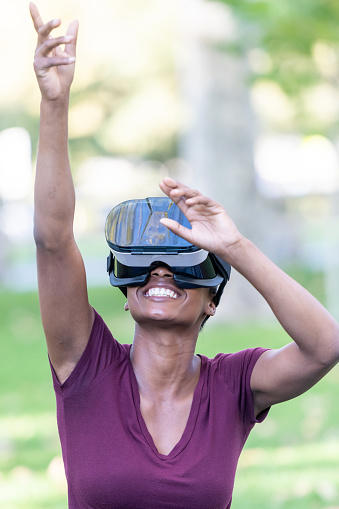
[153, 424]
[161, 299]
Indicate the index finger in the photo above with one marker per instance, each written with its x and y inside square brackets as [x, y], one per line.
[177, 191]
[167, 185]
[35, 15]
[43, 30]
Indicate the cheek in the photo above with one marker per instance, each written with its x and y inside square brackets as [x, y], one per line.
[199, 297]
[131, 298]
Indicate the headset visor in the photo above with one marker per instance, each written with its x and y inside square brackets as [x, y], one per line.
[134, 226]
[138, 242]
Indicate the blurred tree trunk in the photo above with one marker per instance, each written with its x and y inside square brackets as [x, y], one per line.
[218, 140]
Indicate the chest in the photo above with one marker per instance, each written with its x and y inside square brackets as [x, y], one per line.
[117, 457]
[166, 421]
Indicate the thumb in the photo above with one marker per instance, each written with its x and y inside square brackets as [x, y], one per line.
[72, 30]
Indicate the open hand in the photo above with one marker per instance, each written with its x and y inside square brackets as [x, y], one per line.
[212, 228]
[54, 66]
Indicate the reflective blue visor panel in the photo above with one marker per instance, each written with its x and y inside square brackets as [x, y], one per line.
[134, 225]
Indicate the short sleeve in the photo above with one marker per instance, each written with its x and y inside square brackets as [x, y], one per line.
[236, 370]
[101, 351]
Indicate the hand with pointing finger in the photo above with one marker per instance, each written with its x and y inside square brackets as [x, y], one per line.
[54, 66]
[212, 228]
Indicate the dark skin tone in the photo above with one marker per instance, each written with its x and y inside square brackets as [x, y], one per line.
[163, 359]
[166, 328]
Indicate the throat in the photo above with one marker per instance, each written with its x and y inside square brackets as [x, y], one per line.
[166, 390]
[164, 371]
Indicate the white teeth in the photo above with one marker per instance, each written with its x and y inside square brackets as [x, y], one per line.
[162, 292]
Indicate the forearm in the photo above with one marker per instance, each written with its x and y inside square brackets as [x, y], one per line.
[306, 321]
[54, 198]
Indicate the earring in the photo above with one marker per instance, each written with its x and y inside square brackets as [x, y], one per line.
[126, 308]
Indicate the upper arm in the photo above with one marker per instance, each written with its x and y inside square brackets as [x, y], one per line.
[67, 316]
[283, 374]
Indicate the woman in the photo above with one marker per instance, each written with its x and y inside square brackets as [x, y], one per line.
[154, 425]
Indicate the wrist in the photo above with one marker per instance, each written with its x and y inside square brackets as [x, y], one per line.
[53, 129]
[54, 113]
[60, 103]
[237, 252]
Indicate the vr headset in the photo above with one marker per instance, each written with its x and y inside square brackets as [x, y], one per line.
[138, 243]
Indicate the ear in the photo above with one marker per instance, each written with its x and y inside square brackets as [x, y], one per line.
[211, 308]
[126, 307]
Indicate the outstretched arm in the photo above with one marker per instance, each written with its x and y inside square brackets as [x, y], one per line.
[66, 314]
[280, 374]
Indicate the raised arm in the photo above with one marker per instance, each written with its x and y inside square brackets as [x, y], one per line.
[280, 374]
[66, 314]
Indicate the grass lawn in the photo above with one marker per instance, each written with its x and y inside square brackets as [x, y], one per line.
[291, 461]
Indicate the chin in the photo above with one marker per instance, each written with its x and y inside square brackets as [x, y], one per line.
[157, 317]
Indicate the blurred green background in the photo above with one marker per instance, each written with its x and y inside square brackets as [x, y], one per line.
[239, 99]
[290, 461]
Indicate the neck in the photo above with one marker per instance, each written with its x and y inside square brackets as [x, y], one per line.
[164, 362]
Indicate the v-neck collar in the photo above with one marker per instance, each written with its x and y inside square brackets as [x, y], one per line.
[191, 421]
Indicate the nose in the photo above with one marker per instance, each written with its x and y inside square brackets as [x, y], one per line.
[162, 271]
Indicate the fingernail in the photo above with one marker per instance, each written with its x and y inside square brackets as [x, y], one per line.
[71, 60]
[69, 38]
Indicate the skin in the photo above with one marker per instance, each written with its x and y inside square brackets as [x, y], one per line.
[166, 330]
[166, 367]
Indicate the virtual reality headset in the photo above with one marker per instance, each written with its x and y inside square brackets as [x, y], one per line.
[138, 243]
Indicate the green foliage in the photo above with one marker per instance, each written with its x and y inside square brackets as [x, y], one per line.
[289, 25]
[288, 31]
[299, 42]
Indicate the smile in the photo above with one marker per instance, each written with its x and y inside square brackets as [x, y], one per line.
[161, 292]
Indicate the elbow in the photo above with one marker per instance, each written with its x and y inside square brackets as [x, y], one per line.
[335, 341]
[42, 238]
[49, 238]
[335, 357]
[329, 355]
[39, 237]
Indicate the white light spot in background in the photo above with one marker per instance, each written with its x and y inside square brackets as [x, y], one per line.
[290, 165]
[15, 164]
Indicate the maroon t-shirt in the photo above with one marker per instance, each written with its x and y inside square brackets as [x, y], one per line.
[110, 459]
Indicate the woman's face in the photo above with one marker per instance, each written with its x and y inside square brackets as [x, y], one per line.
[160, 300]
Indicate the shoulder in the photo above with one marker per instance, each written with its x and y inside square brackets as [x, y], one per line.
[237, 360]
[101, 352]
[233, 371]
[102, 344]
[234, 368]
